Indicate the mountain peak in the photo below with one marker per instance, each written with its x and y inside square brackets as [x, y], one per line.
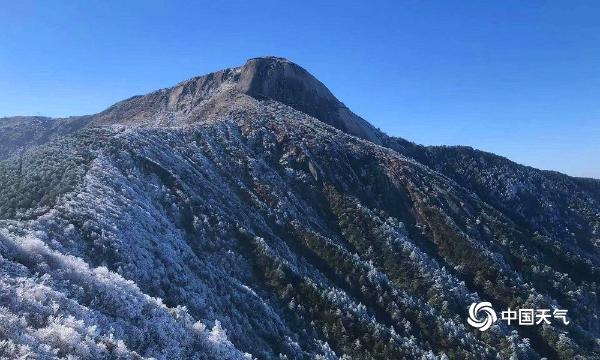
[268, 58]
[262, 78]
[279, 79]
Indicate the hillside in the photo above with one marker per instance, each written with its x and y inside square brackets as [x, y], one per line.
[249, 213]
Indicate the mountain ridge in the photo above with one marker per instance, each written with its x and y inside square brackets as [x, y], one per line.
[210, 220]
[252, 83]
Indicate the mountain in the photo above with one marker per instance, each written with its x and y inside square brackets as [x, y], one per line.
[22, 132]
[248, 213]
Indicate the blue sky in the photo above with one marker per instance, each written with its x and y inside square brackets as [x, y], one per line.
[520, 79]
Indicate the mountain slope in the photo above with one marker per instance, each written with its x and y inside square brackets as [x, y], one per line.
[22, 132]
[235, 213]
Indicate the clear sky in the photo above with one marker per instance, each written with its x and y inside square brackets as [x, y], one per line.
[517, 78]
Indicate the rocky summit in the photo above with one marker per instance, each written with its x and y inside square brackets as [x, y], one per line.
[248, 213]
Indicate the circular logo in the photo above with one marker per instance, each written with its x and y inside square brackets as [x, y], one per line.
[484, 323]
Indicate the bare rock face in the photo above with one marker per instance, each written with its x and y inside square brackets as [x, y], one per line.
[283, 81]
[248, 213]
